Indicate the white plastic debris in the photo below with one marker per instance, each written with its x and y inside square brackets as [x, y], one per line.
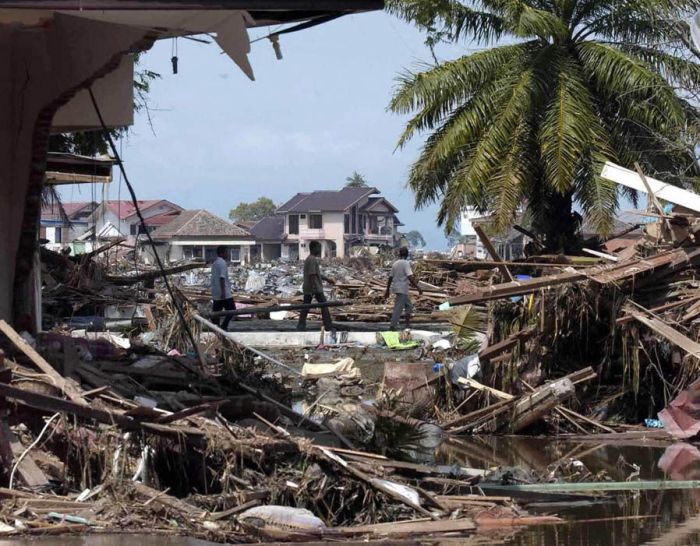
[255, 282]
[468, 367]
[442, 344]
[114, 339]
[343, 369]
[408, 494]
[147, 402]
[281, 517]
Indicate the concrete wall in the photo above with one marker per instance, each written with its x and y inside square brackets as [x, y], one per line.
[333, 230]
[41, 68]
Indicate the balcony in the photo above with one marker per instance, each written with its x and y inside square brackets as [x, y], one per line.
[307, 233]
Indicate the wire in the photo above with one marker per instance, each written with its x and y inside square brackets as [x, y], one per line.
[142, 222]
[32, 446]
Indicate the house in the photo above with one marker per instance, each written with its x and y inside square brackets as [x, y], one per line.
[195, 235]
[269, 236]
[118, 219]
[62, 225]
[339, 220]
[82, 224]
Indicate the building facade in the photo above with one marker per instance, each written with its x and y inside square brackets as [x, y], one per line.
[194, 235]
[339, 220]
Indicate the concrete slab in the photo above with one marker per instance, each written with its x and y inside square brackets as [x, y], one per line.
[311, 339]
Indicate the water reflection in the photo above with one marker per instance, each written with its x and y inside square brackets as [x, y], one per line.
[625, 519]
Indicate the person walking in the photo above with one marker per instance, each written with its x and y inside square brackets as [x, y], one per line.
[399, 279]
[313, 287]
[221, 294]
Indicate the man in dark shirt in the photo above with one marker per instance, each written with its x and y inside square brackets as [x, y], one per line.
[313, 287]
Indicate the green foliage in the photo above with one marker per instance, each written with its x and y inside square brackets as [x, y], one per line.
[415, 239]
[356, 181]
[532, 121]
[257, 210]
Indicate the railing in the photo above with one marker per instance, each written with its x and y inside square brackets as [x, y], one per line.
[308, 233]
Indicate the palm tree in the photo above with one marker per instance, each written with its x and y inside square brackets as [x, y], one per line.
[355, 181]
[528, 122]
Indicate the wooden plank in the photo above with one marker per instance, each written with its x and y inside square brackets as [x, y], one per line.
[168, 501]
[52, 404]
[605, 274]
[505, 345]
[494, 254]
[518, 288]
[480, 387]
[665, 307]
[413, 527]
[531, 408]
[215, 516]
[671, 334]
[27, 469]
[57, 379]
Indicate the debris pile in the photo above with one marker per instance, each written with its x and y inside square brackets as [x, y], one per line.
[624, 332]
[137, 439]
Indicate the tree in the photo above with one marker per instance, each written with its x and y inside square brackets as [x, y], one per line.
[415, 239]
[530, 122]
[356, 181]
[257, 210]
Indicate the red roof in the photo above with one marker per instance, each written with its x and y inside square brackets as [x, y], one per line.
[124, 209]
[52, 211]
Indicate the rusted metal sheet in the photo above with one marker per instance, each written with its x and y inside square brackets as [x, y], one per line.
[681, 418]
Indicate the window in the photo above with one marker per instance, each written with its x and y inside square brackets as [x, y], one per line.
[294, 224]
[192, 252]
[235, 253]
[133, 229]
[347, 223]
[57, 236]
[315, 221]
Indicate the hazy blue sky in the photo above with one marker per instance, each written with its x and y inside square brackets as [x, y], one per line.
[306, 123]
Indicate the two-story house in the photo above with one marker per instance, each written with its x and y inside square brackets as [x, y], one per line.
[339, 220]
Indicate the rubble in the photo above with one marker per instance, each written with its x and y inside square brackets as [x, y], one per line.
[112, 420]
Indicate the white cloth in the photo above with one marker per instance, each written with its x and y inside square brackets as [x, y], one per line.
[400, 272]
[219, 270]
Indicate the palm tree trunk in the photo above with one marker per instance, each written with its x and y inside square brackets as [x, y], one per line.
[558, 224]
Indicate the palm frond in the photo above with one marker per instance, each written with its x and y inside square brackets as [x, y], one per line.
[449, 19]
[526, 22]
[439, 89]
[674, 69]
[615, 74]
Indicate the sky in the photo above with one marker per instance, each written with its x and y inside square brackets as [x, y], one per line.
[306, 123]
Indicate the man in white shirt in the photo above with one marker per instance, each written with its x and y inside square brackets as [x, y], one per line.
[401, 275]
[221, 295]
